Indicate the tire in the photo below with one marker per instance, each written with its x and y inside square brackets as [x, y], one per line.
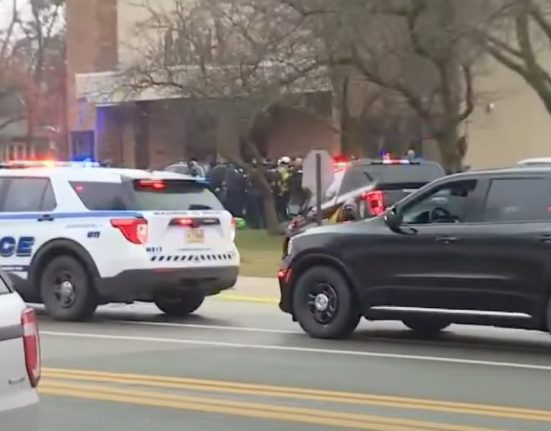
[66, 290]
[341, 315]
[182, 306]
[427, 327]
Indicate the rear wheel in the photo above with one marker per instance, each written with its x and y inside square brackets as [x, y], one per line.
[426, 327]
[181, 306]
[324, 305]
[66, 290]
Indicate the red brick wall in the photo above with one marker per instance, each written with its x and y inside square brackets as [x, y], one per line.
[91, 47]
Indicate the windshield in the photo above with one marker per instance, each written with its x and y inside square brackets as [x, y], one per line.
[151, 196]
[413, 173]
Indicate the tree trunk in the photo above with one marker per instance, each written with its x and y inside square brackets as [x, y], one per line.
[272, 223]
[452, 157]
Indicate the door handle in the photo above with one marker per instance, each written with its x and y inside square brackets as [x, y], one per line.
[45, 217]
[546, 238]
[446, 239]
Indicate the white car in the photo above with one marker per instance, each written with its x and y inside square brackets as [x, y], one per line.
[73, 237]
[19, 362]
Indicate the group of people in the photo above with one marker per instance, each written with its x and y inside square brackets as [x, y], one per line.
[242, 188]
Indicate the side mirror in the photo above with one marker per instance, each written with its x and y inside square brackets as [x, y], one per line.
[393, 219]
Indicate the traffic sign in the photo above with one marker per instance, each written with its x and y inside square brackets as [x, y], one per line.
[327, 172]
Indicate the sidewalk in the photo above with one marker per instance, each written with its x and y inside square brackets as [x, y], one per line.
[254, 289]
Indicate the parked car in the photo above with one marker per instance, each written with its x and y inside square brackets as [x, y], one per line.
[472, 248]
[364, 189]
[19, 361]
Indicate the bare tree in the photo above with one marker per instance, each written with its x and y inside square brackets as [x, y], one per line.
[518, 36]
[251, 54]
[31, 51]
[418, 49]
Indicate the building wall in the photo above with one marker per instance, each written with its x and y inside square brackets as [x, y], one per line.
[510, 123]
[91, 47]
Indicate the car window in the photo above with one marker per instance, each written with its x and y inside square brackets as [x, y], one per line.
[173, 196]
[517, 199]
[100, 196]
[29, 194]
[355, 178]
[414, 173]
[444, 204]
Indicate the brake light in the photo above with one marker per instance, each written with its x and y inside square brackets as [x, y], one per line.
[375, 202]
[134, 230]
[31, 345]
[184, 222]
[152, 184]
[233, 228]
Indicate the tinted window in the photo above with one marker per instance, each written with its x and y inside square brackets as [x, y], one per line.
[355, 178]
[517, 199]
[98, 196]
[176, 196]
[29, 194]
[406, 174]
[445, 204]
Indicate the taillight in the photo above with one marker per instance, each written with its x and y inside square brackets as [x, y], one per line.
[375, 202]
[134, 230]
[151, 184]
[233, 228]
[31, 345]
[183, 221]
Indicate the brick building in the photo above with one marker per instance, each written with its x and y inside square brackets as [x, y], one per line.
[152, 128]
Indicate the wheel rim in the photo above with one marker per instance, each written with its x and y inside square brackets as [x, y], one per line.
[323, 302]
[64, 290]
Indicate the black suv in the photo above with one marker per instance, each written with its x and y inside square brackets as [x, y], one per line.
[471, 248]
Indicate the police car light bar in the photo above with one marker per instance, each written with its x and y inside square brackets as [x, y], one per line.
[22, 164]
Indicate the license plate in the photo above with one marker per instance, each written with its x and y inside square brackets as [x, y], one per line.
[195, 235]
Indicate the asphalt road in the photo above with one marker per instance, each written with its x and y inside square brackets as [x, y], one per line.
[243, 366]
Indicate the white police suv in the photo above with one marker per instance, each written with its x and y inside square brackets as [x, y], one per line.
[73, 237]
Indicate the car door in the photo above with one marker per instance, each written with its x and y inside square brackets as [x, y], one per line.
[25, 221]
[511, 240]
[427, 264]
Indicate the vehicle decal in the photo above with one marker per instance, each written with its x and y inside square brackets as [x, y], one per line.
[65, 215]
[193, 258]
[93, 234]
[21, 247]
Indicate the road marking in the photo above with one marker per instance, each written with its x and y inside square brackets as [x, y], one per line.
[197, 326]
[504, 412]
[238, 297]
[441, 359]
[247, 409]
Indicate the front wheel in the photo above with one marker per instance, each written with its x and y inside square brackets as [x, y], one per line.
[181, 306]
[427, 327]
[66, 290]
[324, 304]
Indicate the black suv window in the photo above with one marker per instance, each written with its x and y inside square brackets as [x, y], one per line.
[28, 194]
[444, 204]
[517, 199]
[355, 178]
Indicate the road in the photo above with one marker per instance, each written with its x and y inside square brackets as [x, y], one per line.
[246, 367]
